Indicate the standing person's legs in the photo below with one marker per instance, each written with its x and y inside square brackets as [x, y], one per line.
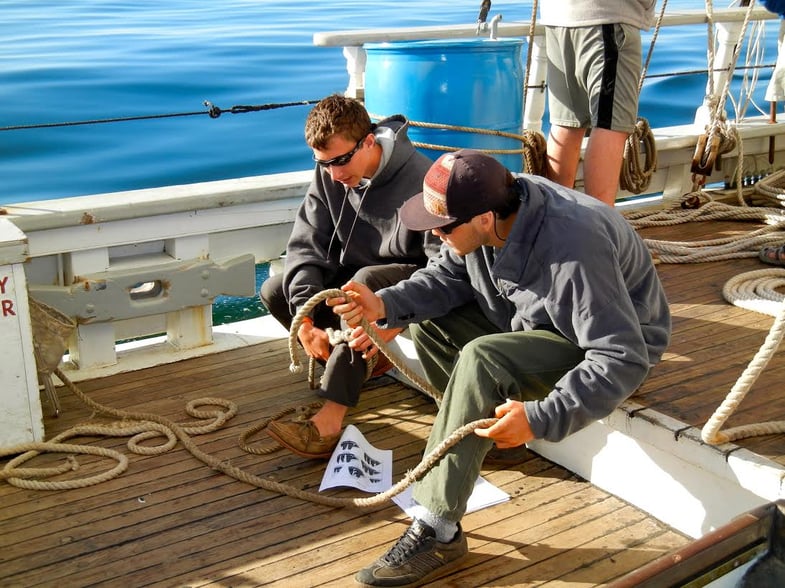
[613, 75]
[602, 163]
[564, 154]
[568, 107]
[593, 83]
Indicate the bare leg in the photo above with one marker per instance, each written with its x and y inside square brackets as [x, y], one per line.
[329, 419]
[564, 152]
[602, 164]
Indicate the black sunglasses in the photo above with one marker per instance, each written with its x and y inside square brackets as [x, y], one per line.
[447, 229]
[341, 159]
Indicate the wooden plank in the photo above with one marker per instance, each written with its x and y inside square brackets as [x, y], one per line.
[171, 520]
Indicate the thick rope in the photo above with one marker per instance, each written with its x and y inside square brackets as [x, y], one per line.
[296, 366]
[149, 425]
[634, 177]
[532, 149]
[716, 249]
[757, 290]
[224, 467]
[772, 188]
[711, 249]
[336, 337]
[711, 210]
[754, 291]
[142, 430]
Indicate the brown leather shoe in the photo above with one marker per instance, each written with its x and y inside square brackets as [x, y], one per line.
[302, 438]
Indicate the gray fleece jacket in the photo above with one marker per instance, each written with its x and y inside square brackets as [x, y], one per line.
[572, 265]
[338, 227]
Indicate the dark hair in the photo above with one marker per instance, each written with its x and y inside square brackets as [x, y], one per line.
[513, 202]
[336, 115]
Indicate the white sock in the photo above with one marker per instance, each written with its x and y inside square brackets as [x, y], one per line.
[444, 528]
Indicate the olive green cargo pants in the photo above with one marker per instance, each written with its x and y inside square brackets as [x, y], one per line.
[478, 367]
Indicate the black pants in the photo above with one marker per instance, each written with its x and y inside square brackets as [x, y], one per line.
[345, 370]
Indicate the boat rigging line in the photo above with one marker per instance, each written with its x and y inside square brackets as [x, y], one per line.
[212, 110]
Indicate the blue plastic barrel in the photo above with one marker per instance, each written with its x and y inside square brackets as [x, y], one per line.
[474, 83]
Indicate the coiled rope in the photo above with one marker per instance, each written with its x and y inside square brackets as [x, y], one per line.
[754, 291]
[710, 210]
[710, 249]
[634, 176]
[150, 425]
[772, 188]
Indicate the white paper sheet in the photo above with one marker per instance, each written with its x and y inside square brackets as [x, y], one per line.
[356, 463]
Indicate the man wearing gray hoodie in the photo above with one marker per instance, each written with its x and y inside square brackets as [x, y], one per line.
[347, 227]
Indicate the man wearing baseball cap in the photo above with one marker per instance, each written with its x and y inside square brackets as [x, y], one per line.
[542, 309]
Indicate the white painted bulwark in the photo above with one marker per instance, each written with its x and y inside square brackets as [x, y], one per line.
[661, 466]
[21, 420]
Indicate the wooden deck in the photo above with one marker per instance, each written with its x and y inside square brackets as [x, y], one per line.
[170, 520]
[713, 342]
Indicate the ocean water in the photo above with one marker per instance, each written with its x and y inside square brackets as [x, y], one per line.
[73, 61]
[85, 60]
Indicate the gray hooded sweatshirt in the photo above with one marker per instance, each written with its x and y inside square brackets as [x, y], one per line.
[337, 227]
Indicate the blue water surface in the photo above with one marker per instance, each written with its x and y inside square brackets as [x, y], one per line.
[83, 60]
[77, 60]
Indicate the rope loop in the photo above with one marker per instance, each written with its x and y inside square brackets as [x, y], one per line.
[145, 426]
[635, 178]
[755, 291]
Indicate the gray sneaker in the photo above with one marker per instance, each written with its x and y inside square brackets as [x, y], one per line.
[415, 558]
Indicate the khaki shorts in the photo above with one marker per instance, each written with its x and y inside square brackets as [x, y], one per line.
[593, 76]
